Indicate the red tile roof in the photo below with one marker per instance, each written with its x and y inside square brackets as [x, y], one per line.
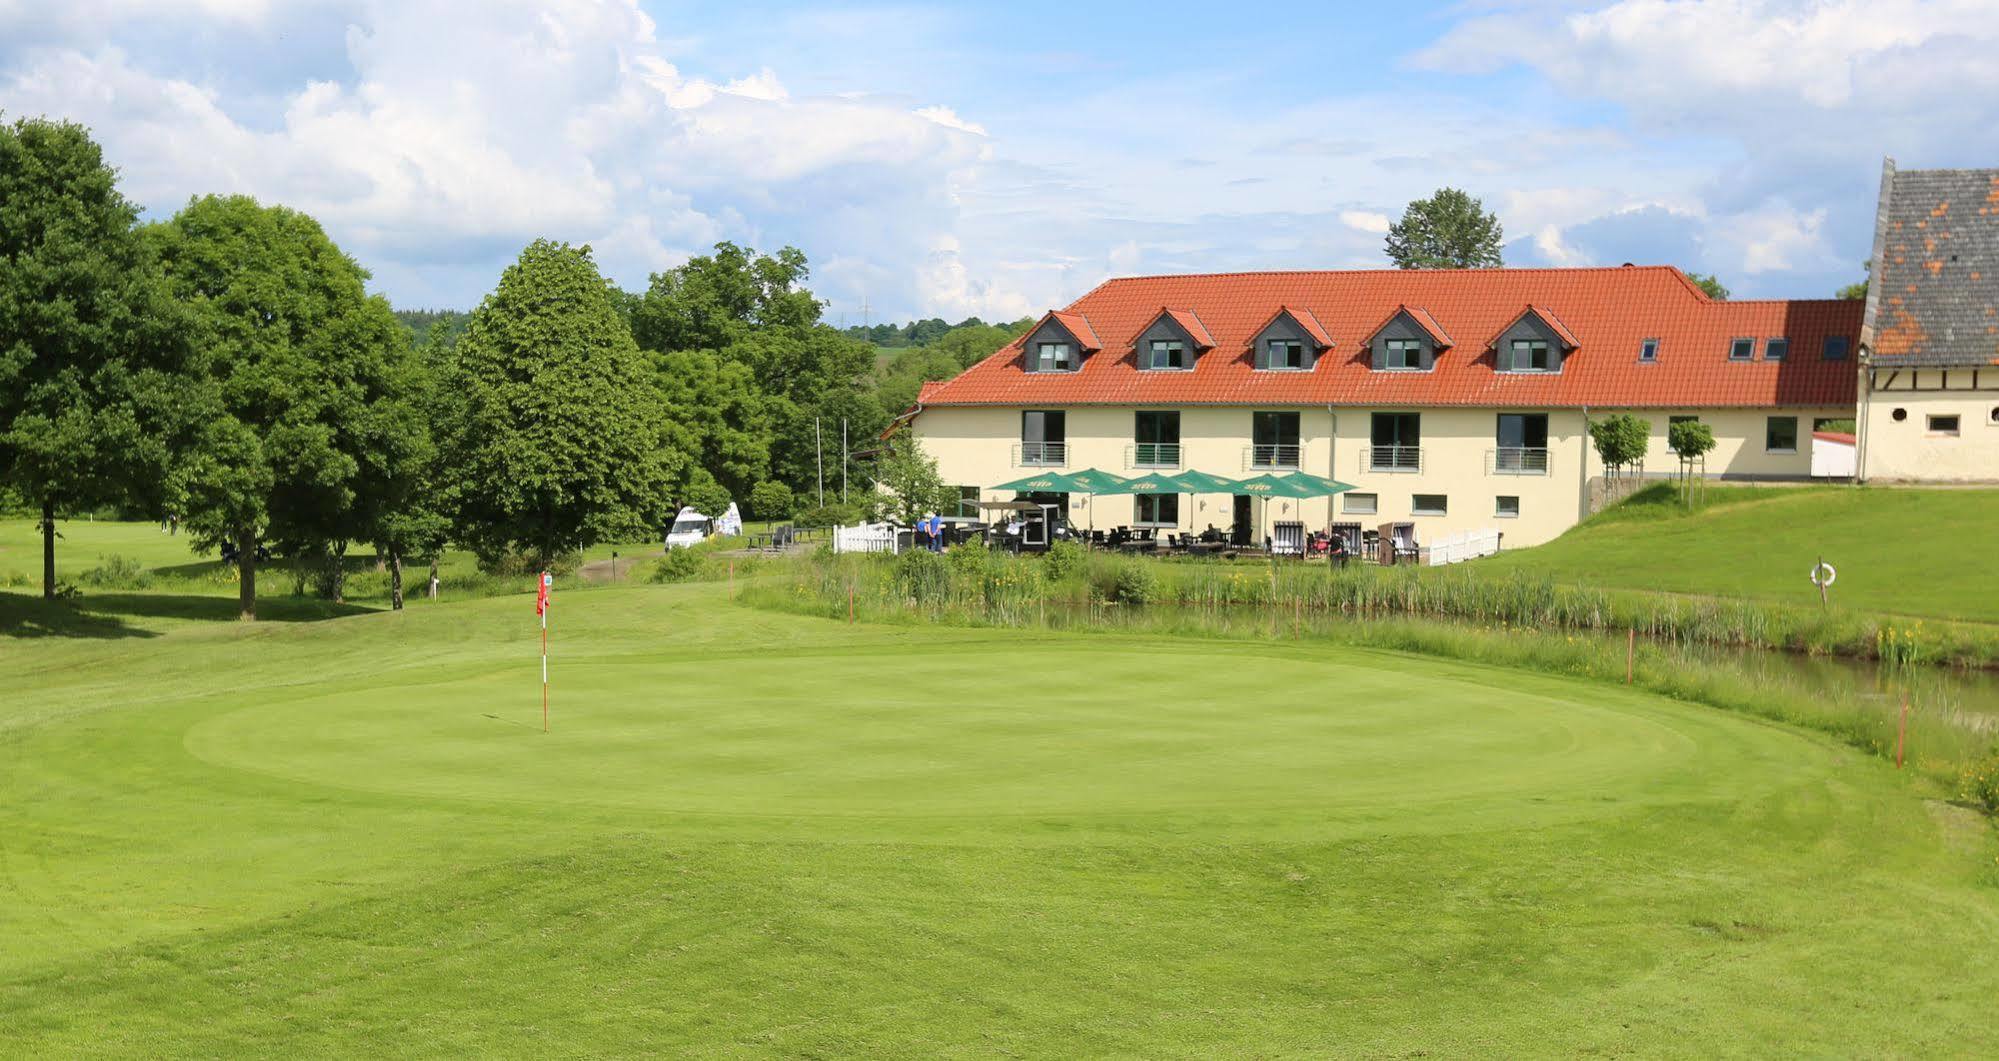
[1836, 436]
[1609, 312]
[1190, 324]
[1307, 322]
[1426, 322]
[1079, 326]
[1548, 316]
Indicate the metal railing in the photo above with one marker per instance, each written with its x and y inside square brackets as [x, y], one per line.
[1040, 454]
[1391, 459]
[1153, 455]
[1285, 456]
[1517, 460]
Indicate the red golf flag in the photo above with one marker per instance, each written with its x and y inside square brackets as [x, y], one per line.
[541, 594]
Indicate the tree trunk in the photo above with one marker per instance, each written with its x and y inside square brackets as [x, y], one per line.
[48, 549]
[246, 573]
[395, 581]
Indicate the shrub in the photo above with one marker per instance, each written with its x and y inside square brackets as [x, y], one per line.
[1064, 559]
[120, 572]
[678, 565]
[513, 564]
[969, 562]
[922, 575]
[1134, 584]
[770, 500]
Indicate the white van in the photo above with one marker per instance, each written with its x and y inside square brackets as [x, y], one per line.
[689, 528]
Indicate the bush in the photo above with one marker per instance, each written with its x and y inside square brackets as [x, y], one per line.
[770, 500]
[514, 564]
[922, 575]
[1134, 583]
[833, 515]
[1980, 783]
[119, 572]
[1064, 559]
[969, 562]
[678, 565]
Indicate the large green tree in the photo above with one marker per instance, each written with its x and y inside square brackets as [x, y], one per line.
[724, 419]
[87, 341]
[717, 299]
[297, 416]
[562, 441]
[1710, 284]
[1449, 230]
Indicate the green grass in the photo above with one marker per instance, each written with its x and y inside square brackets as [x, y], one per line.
[1900, 551]
[753, 833]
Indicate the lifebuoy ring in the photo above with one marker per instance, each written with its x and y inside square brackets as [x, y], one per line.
[1824, 574]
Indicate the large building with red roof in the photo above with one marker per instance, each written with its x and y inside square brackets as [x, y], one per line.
[1451, 400]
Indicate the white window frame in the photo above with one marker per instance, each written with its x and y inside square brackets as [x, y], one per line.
[1347, 503]
[1648, 352]
[1736, 344]
[1499, 506]
[1955, 429]
[1782, 346]
[1060, 362]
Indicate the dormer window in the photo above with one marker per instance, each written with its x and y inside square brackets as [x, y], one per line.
[1054, 357]
[1286, 354]
[1167, 354]
[1742, 350]
[1648, 351]
[1404, 354]
[1533, 355]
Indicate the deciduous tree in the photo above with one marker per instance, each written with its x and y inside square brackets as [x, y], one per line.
[562, 441]
[1711, 284]
[294, 421]
[1449, 230]
[1621, 440]
[87, 342]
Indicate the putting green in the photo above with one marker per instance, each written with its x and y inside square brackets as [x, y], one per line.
[1205, 735]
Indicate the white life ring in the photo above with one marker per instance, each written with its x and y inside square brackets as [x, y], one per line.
[1824, 574]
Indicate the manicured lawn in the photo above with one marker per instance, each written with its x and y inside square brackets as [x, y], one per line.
[1906, 551]
[752, 833]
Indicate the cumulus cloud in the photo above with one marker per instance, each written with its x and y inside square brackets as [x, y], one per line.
[434, 162]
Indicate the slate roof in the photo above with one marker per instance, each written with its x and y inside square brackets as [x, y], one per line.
[1609, 312]
[1933, 298]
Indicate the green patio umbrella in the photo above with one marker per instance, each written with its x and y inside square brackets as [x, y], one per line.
[1090, 481]
[1199, 482]
[1295, 486]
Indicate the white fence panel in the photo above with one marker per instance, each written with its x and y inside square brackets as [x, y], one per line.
[864, 538]
[1466, 545]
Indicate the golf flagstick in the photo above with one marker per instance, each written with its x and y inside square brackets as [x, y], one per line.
[541, 609]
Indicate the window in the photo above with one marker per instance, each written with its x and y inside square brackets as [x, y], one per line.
[1943, 425]
[1043, 437]
[1285, 354]
[1398, 440]
[1776, 349]
[968, 502]
[1404, 353]
[1671, 420]
[1522, 444]
[1506, 506]
[1156, 439]
[1742, 350]
[1167, 353]
[1274, 438]
[1780, 434]
[1648, 351]
[1532, 355]
[1429, 505]
[1834, 349]
[1358, 504]
[1156, 510]
[1053, 357]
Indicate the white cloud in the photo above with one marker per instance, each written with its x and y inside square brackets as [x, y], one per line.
[1365, 221]
[448, 142]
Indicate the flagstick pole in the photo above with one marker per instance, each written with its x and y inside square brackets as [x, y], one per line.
[544, 670]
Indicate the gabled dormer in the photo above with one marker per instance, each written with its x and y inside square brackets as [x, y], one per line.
[1171, 342]
[1408, 341]
[1536, 341]
[1059, 343]
[1290, 341]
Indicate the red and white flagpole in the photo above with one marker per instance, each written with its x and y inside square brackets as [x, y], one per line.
[541, 608]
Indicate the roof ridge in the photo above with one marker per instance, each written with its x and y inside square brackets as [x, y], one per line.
[1384, 269]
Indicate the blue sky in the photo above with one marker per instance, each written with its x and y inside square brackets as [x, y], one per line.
[997, 159]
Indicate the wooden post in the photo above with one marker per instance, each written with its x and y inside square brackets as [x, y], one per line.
[1630, 652]
[1902, 729]
[850, 602]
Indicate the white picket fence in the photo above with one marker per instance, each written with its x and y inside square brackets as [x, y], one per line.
[864, 538]
[1466, 545]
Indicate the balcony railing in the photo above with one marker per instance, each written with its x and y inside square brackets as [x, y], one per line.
[1391, 459]
[1261, 457]
[1040, 454]
[1517, 460]
[1153, 455]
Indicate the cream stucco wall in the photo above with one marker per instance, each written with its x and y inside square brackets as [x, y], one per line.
[1907, 450]
[978, 446]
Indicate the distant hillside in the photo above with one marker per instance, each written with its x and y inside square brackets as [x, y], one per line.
[446, 324]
